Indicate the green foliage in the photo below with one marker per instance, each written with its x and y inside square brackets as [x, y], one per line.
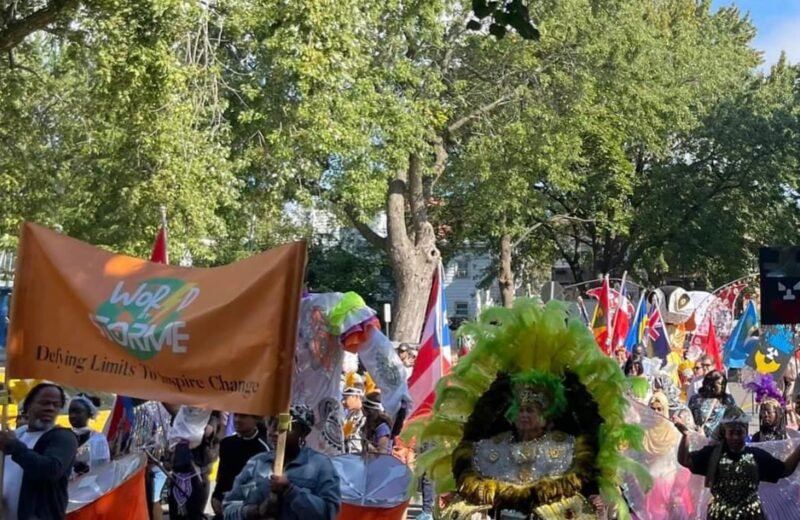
[333, 268]
[632, 135]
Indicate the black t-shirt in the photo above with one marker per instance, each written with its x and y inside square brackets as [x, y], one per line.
[770, 469]
[234, 452]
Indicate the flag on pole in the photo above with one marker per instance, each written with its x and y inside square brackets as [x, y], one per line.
[637, 330]
[602, 315]
[736, 349]
[433, 358]
[709, 343]
[622, 316]
[657, 333]
[120, 422]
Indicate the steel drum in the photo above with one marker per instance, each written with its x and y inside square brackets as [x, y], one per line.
[88, 488]
[380, 481]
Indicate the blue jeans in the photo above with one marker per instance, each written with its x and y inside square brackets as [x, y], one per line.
[426, 488]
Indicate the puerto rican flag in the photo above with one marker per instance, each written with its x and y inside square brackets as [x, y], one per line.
[433, 359]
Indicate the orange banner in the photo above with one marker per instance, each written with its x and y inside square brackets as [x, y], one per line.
[220, 338]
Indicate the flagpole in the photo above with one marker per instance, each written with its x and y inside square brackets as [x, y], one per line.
[163, 210]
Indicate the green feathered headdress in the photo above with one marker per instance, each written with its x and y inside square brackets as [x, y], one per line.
[541, 389]
[526, 341]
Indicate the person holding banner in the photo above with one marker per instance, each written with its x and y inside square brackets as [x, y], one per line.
[234, 452]
[38, 459]
[308, 489]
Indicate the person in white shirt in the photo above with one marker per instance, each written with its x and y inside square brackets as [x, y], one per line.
[92, 445]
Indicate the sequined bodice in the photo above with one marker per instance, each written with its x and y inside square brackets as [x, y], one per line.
[735, 489]
[500, 458]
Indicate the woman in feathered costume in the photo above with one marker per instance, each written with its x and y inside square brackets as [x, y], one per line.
[530, 424]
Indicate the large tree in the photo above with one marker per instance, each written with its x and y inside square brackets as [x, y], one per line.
[106, 123]
[360, 103]
[620, 90]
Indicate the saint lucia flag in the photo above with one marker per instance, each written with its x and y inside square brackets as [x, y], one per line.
[637, 330]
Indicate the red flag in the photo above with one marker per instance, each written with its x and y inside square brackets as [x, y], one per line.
[159, 253]
[120, 422]
[709, 344]
[622, 319]
[602, 315]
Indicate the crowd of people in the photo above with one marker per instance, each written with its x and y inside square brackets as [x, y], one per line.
[183, 444]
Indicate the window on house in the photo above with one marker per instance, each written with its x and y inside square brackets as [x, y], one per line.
[462, 309]
[462, 269]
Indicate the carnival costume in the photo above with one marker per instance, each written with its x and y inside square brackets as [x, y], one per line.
[530, 357]
[733, 477]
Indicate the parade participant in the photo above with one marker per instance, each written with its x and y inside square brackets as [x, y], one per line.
[194, 438]
[670, 495]
[634, 368]
[377, 425]
[686, 376]
[39, 458]
[710, 402]
[702, 367]
[92, 446]
[772, 422]
[353, 426]
[622, 356]
[307, 490]
[545, 421]
[733, 470]
[249, 440]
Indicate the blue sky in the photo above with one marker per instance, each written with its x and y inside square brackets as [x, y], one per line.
[778, 24]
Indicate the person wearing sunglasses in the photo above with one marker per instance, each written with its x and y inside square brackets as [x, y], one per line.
[703, 366]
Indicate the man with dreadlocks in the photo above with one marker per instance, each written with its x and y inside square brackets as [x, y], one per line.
[733, 470]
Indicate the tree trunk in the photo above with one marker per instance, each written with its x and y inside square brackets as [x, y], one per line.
[410, 245]
[413, 270]
[506, 278]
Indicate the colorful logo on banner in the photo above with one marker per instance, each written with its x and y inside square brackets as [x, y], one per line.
[780, 285]
[773, 351]
[146, 319]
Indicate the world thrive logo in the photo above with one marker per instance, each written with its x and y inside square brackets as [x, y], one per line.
[148, 319]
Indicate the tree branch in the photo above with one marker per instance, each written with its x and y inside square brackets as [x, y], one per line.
[456, 125]
[15, 31]
[367, 232]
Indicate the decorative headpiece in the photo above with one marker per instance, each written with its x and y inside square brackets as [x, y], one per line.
[765, 389]
[304, 416]
[735, 415]
[373, 403]
[540, 389]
